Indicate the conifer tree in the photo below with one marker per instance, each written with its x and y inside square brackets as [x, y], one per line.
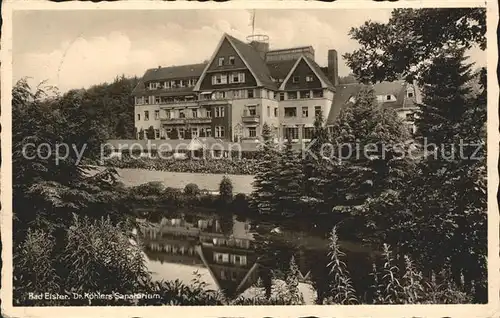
[289, 187]
[314, 163]
[265, 179]
[445, 96]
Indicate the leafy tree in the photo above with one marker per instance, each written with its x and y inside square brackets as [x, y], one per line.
[226, 190]
[412, 37]
[141, 134]
[192, 189]
[349, 79]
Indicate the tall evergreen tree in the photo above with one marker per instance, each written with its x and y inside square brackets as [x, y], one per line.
[265, 179]
[314, 163]
[445, 97]
[289, 189]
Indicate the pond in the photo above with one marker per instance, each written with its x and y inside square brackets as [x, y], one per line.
[230, 254]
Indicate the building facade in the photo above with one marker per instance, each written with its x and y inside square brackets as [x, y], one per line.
[241, 87]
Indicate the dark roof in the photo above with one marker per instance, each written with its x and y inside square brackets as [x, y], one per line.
[254, 60]
[167, 73]
[174, 72]
[280, 69]
[342, 95]
[320, 73]
[396, 88]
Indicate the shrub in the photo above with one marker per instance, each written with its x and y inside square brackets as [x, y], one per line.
[149, 188]
[191, 189]
[226, 190]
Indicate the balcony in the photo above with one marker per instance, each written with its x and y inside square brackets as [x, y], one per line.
[250, 116]
[178, 103]
[209, 102]
[189, 120]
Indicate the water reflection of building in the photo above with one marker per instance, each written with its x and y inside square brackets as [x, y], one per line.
[228, 255]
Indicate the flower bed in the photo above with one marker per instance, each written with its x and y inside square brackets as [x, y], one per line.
[222, 166]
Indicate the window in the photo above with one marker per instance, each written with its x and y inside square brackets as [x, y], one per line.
[209, 113]
[157, 133]
[236, 94]
[194, 113]
[153, 85]
[181, 132]
[305, 111]
[231, 60]
[295, 79]
[275, 111]
[182, 114]
[166, 84]
[219, 111]
[271, 95]
[318, 93]
[305, 94]
[291, 133]
[219, 79]
[251, 111]
[220, 95]
[138, 116]
[252, 132]
[410, 94]
[308, 132]
[290, 112]
[317, 111]
[292, 95]
[309, 78]
[221, 61]
[282, 96]
[250, 93]
[388, 97]
[157, 114]
[237, 78]
[268, 111]
[194, 132]
[219, 132]
[208, 132]
[146, 115]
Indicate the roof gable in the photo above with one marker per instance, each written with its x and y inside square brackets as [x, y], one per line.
[250, 58]
[325, 82]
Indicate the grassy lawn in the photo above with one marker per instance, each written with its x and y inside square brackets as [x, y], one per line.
[133, 177]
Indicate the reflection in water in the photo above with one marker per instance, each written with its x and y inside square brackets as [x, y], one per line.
[230, 255]
[224, 257]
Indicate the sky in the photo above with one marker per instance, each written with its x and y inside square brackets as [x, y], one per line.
[77, 49]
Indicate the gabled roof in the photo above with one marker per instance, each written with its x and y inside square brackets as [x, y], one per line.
[255, 62]
[280, 69]
[325, 82]
[341, 98]
[250, 57]
[396, 88]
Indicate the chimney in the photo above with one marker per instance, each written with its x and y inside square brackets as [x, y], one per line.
[260, 47]
[260, 43]
[333, 67]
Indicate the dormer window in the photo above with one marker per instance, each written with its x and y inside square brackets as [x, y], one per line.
[231, 60]
[153, 85]
[410, 92]
[388, 97]
[221, 61]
